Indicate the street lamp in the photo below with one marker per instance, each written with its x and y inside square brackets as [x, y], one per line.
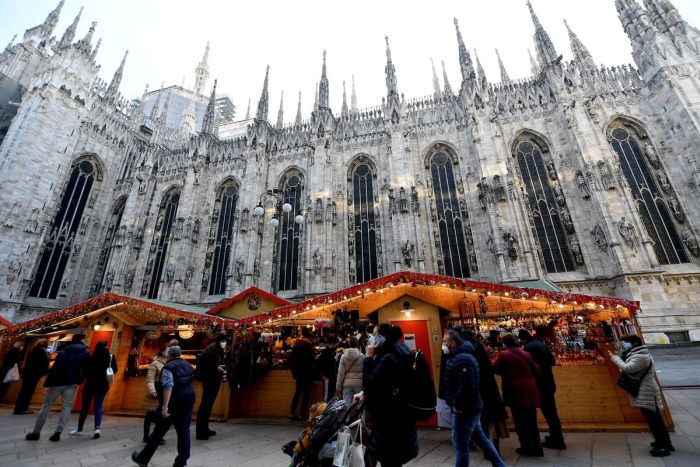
[287, 208]
[259, 210]
[274, 222]
[299, 219]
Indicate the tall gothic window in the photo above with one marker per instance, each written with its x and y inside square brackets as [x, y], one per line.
[288, 235]
[59, 244]
[650, 203]
[450, 224]
[542, 202]
[114, 237]
[364, 228]
[161, 239]
[227, 201]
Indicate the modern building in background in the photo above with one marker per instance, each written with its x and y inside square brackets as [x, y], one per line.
[581, 175]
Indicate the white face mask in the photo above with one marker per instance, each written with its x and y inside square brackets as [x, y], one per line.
[445, 349]
[222, 344]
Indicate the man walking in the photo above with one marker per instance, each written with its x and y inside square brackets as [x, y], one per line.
[67, 373]
[546, 387]
[462, 393]
[211, 367]
[178, 400]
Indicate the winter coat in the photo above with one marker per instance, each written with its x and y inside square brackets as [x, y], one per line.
[208, 364]
[545, 360]
[494, 409]
[302, 360]
[151, 403]
[634, 363]
[518, 372]
[326, 364]
[462, 387]
[69, 367]
[394, 438]
[37, 364]
[350, 370]
[96, 370]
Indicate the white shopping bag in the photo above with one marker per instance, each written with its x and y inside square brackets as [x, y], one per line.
[357, 449]
[342, 448]
[12, 375]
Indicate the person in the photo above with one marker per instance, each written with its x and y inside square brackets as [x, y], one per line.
[12, 357]
[519, 371]
[349, 380]
[67, 372]
[328, 366]
[178, 401]
[546, 387]
[211, 369]
[394, 439]
[96, 386]
[153, 390]
[37, 365]
[463, 395]
[301, 362]
[494, 340]
[636, 362]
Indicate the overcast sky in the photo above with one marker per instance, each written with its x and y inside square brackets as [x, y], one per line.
[166, 39]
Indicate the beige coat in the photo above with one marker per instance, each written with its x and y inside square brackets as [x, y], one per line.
[636, 362]
[350, 370]
[150, 403]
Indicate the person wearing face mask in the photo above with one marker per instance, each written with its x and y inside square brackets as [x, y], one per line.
[637, 363]
[153, 396]
[211, 368]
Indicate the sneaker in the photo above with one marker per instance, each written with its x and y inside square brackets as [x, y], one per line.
[55, 437]
[97, 434]
[660, 452]
[135, 459]
[31, 436]
[76, 432]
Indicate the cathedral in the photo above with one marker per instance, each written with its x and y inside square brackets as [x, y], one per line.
[579, 177]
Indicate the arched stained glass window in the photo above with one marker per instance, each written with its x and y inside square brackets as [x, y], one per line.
[288, 235]
[61, 239]
[162, 238]
[228, 198]
[542, 203]
[365, 244]
[650, 203]
[450, 224]
[112, 238]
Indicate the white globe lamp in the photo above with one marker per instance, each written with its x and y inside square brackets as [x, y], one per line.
[286, 207]
[259, 210]
[274, 222]
[299, 219]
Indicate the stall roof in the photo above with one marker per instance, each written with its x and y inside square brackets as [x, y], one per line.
[453, 294]
[177, 306]
[4, 322]
[541, 284]
[243, 295]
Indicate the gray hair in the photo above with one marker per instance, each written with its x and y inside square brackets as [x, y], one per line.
[174, 351]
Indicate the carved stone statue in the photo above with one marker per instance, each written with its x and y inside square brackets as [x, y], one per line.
[392, 203]
[484, 193]
[566, 220]
[195, 231]
[463, 208]
[605, 176]
[499, 191]
[582, 185]
[256, 269]
[627, 232]
[559, 194]
[128, 281]
[652, 157]
[663, 182]
[403, 201]
[109, 280]
[552, 171]
[318, 210]
[189, 273]
[318, 261]
[170, 274]
[511, 245]
[329, 210]
[245, 220]
[407, 252]
[159, 223]
[65, 287]
[13, 270]
[576, 251]
[351, 264]
[691, 243]
[145, 286]
[205, 280]
[415, 207]
[238, 271]
[149, 266]
[676, 210]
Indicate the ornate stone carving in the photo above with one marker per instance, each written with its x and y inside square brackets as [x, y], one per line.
[664, 184]
[159, 223]
[407, 253]
[189, 273]
[32, 224]
[245, 220]
[317, 261]
[484, 193]
[691, 243]
[558, 194]
[392, 203]
[599, 238]
[627, 232]
[170, 274]
[511, 245]
[109, 281]
[676, 209]
[238, 270]
[256, 269]
[652, 157]
[128, 281]
[415, 207]
[13, 270]
[552, 171]
[205, 280]
[565, 217]
[582, 185]
[605, 176]
[403, 201]
[499, 191]
[576, 251]
[195, 231]
[318, 211]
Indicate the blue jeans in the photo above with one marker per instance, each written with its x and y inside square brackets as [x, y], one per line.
[90, 393]
[463, 428]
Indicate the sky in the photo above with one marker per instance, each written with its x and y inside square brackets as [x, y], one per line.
[166, 40]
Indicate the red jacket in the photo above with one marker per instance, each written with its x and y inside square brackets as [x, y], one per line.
[519, 372]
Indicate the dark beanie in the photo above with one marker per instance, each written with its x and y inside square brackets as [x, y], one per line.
[524, 335]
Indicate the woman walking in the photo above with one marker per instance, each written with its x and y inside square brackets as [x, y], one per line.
[152, 400]
[636, 362]
[96, 386]
[349, 380]
[37, 365]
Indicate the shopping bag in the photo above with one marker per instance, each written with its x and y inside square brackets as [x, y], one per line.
[342, 449]
[110, 372]
[357, 450]
[12, 375]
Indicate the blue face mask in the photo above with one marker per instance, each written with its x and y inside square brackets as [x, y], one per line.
[379, 340]
[626, 346]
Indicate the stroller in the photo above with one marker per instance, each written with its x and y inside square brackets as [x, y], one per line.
[316, 444]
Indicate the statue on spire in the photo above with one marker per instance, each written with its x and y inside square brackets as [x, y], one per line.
[264, 99]
[344, 110]
[465, 61]
[69, 35]
[113, 88]
[209, 124]
[353, 97]
[297, 121]
[437, 92]
[280, 113]
[323, 90]
[448, 88]
[201, 73]
[543, 44]
[505, 79]
[579, 50]
[43, 31]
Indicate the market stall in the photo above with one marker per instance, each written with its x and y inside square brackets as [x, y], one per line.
[134, 330]
[579, 329]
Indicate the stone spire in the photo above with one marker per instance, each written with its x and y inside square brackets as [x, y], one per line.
[96, 49]
[437, 92]
[390, 71]
[664, 15]
[448, 88]
[85, 44]
[545, 49]
[344, 109]
[323, 86]
[534, 67]
[353, 97]
[316, 96]
[43, 31]
[297, 121]
[483, 82]
[579, 50]
[505, 79]
[264, 99]
[138, 113]
[162, 121]
[12, 42]
[69, 35]
[154, 110]
[465, 61]
[247, 112]
[113, 88]
[209, 124]
[280, 112]
[189, 119]
[201, 73]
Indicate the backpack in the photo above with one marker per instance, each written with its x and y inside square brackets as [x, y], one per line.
[419, 390]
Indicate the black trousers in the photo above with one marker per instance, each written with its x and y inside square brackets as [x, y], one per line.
[150, 418]
[181, 420]
[25, 394]
[303, 389]
[330, 394]
[525, 419]
[549, 410]
[209, 393]
[657, 427]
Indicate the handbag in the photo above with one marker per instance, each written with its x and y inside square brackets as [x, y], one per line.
[342, 448]
[110, 372]
[630, 384]
[11, 375]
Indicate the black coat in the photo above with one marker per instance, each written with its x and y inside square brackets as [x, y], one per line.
[37, 364]
[208, 364]
[462, 389]
[545, 360]
[96, 370]
[302, 360]
[394, 437]
[69, 367]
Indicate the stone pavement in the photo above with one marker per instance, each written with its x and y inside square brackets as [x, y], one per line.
[677, 366]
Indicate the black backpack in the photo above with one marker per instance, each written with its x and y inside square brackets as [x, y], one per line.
[419, 390]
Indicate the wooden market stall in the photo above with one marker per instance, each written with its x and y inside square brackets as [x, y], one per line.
[134, 329]
[578, 328]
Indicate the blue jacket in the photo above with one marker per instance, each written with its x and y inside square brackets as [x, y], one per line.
[69, 367]
[462, 389]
